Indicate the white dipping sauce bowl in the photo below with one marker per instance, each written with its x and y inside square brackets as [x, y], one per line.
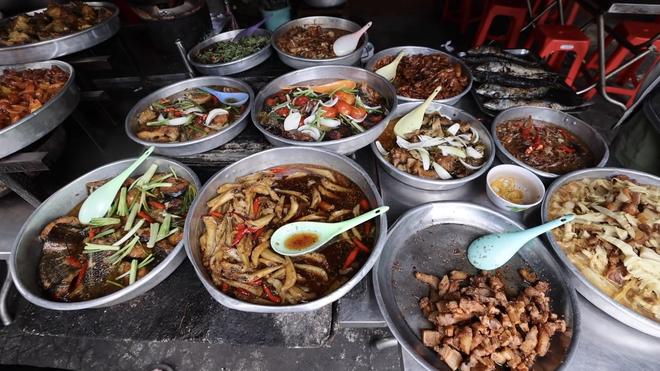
[526, 181]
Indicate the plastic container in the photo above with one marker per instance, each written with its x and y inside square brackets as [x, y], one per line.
[280, 17]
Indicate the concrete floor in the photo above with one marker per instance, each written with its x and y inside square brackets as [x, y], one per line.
[348, 349]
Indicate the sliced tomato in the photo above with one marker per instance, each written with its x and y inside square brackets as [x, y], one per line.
[284, 111]
[329, 112]
[300, 101]
[342, 107]
[345, 96]
[358, 112]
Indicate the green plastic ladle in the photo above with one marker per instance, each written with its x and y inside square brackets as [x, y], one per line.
[413, 120]
[305, 237]
[494, 250]
[99, 202]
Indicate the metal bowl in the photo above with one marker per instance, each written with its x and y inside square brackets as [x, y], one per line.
[601, 300]
[344, 145]
[26, 251]
[64, 45]
[433, 238]
[432, 184]
[236, 66]
[324, 3]
[578, 127]
[200, 145]
[325, 22]
[410, 50]
[261, 161]
[42, 121]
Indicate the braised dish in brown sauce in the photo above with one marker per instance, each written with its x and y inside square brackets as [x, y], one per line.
[313, 42]
[418, 75]
[545, 146]
[236, 247]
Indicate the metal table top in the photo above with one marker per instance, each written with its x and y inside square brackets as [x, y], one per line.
[626, 7]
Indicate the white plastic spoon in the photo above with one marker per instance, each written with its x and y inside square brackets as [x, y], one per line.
[99, 202]
[230, 99]
[494, 250]
[304, 237]
[346, 44]
[413, 120]
[389, 71]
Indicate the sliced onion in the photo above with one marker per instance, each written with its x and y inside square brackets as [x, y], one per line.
[292, 121]
[457, 142]
[311, 131]
[424, 154]
[214, 113]
[361, 103]
[309, 119]
[331, 123]
[475, 135]
[160, 118]
[356, 120]
[381, 149]
[331, 102]
[427, 141]
[452, 151]
[403, 143]
[454, 129]
[470, 166]
[192, 110]
[465, 137]
[180, 121]
[471, 152]
[442, 173]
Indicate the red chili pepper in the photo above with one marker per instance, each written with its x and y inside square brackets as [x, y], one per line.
[169, 109]
[240, 215]
[537, 140]
[367, 227]
[351, 258]
[244, 292]
[362, 246]
[525, 133]
[91, 233]
[365, 204]
[81, 275]
[271, 296]
[284, 111]
[277, 169]
[73, 261]
[215, 100]
[178, 113]
[224, 287]
[145, 216]
[157, 205]
[256, 282]
[258, 233]
[567, 149]
[204, 116]
[216, 214]
[563, 133]
[242, 232]
[255, 206]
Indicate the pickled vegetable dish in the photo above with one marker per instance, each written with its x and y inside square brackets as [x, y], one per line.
[545, 146]
[144, 224]
[189, 115]
[326, 112]
[236, 247]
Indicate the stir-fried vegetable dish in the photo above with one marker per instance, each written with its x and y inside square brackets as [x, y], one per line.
[189, 115]
[228, 51]
[544, 146]
[440, 149]
[315, 113]
[144, 224]
[24, 92]
[418, 75]
[241, 219]
[615, 238]
[313, 42]
[57, 20]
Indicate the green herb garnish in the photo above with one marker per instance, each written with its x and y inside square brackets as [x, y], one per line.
[228, 51]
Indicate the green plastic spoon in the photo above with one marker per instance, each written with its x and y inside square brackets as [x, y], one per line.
[494, 250]
[304, 237]
[99, 202]
[413, 120]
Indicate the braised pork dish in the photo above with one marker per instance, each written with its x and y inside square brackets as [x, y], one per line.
[332, 111]
[545, 146]
[145, 223]
[418, 75]
[440, 149]
[480, 326]
[236, 247]
[313, 42]
[24, 92]
[57, 20]
[188, 115]
[615, 238]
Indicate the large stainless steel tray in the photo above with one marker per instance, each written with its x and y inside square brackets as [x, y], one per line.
[433, 238]
[433, 184]
[200, 145]
[410, 50]
[580, 128]
[42, 121]
[581, 283]
[27, 248]
[237, 66]
[65, 45]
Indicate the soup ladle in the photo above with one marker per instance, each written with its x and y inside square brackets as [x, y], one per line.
[304, 237]
[230, 99]
[346, 44]
[494, 250]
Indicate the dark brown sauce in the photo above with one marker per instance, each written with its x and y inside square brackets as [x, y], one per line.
[301, 241]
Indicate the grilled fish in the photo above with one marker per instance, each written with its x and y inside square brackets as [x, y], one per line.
[475, 60]
[493, 50]
[514, 81]
[517, 70]
[503, 104]
[56, 273]
[501, 91]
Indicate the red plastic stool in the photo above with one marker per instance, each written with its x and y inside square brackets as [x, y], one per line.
[463, 15]
[555, 41]
[515, 9]
[636, 33]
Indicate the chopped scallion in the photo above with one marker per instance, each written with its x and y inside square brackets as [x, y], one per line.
[103, 234]
[102, 222]
[113, 209]
[122, 208]
[165, 228]
[148, 260]
[174, 173]
[121, 253]
[153, 235]
[115, 283]
[157, 105]
[134, 268]
[130, 233]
